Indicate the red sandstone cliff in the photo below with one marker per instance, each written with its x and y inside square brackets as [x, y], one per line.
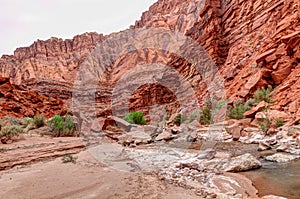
[253, 43]
[17, 102]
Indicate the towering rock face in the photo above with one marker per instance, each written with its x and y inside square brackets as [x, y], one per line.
[253, 43]
[49, 66]
[21, 103]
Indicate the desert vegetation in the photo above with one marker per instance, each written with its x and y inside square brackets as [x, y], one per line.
[62, 126]
[58, 126]
[135, 118]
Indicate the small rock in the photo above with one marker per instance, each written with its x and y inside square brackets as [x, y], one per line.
[298, 141]
[283, 147]
[260, 116]
[95, 127]
[263, 146]
[207, 154]
[235, 130]
[165, 135]
[272, 141]
[192, 137]
[194, 125]
[271, 131]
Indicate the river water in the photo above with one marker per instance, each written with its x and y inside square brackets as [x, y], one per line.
[282, 179]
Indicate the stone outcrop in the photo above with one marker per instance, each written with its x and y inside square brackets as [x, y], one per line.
[49, 66]
[253, 44]
[34, 148]
[17, 102]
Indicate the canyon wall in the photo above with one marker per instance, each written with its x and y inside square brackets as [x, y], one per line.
[253, 44]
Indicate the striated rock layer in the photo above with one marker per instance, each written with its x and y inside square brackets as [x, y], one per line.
[17, 102]
[253, 44]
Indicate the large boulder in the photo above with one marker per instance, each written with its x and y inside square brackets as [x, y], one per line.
[242, 163]
[116, 122]
[122, 123]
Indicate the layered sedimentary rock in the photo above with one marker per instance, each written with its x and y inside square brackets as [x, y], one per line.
[17, 102]
[253, 44]
[50, 66]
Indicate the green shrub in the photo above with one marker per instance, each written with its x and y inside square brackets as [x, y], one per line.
[68, 126]
[206, 113]
[237, 110]
[265, 124]
[39, 121]
[62, 126]
[180, 118]
[27, 120]
[279, 122]
[135, 118]
[263, 94]
[10, 131]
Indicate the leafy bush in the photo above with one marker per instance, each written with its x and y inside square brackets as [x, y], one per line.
[63, 126]
[135, 118]
[39, 121]
[206, 113]
[279, 122]
[265, 124]
[263, 94]
[10, 131]
[237, 110]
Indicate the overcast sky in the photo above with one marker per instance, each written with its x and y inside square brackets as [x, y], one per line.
[24, 21]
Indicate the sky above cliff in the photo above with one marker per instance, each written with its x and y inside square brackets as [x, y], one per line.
[23, 22]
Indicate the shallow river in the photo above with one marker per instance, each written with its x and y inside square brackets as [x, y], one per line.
[282, 179]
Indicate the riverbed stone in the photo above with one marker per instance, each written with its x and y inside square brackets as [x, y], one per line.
[281, 157]
[165, 135]
[263, 146]
[242, 163]
[273, 197]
